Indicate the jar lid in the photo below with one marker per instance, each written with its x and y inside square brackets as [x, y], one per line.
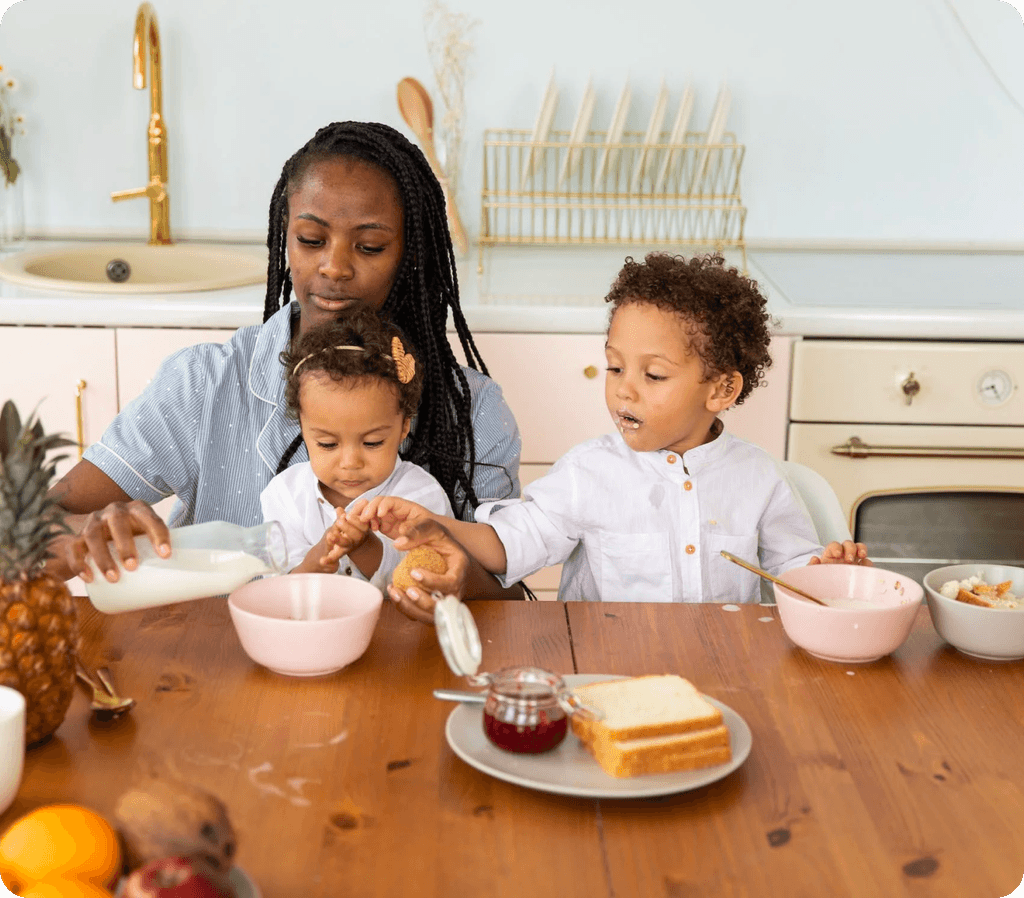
[460, 642]
[458, 635]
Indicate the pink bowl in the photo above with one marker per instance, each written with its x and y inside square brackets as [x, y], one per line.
[874, 613]
[305, 625]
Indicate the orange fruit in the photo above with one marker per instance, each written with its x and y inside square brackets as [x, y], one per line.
[56, 842]
[65, 887]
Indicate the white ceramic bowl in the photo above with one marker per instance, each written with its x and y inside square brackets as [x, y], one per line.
[305, 625]
[874, 611]
[993, 634]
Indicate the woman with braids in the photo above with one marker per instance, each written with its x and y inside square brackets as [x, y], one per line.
[357, 220]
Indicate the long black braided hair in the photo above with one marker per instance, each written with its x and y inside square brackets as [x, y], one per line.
[425, 288]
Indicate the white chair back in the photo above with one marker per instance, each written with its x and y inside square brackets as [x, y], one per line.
[821, 502]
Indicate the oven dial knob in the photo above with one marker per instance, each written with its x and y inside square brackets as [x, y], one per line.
[995, 387]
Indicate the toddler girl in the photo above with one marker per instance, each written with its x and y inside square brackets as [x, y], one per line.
[354, 384]
[644, 514]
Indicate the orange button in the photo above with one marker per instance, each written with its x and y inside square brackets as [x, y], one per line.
[687, 485]
[690, 550]
[671, 459]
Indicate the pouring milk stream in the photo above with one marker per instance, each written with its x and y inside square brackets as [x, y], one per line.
[206, 560]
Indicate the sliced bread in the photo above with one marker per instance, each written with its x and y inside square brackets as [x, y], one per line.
[642, 707]
[662, 754]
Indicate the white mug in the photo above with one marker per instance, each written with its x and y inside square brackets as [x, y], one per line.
[12, 744]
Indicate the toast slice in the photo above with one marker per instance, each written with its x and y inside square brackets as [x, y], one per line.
[662, 754]
[642, 707]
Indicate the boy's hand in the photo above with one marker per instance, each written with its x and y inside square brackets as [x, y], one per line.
[416, 602]
[389, 513]
[847, 552]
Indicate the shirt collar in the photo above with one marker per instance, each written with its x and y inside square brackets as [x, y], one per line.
[692, 461]
[707, 453]
[266, 376]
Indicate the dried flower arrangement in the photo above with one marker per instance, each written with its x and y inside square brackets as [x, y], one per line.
[11, 122]
[449, 47]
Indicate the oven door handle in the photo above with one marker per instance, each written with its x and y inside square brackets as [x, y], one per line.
[857, 448]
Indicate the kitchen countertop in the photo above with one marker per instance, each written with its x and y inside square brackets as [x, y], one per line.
[973, 293]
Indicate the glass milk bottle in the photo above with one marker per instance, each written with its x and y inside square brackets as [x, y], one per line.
[206, 560]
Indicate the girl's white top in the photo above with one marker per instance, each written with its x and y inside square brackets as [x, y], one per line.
[650, 526]
[294, 499]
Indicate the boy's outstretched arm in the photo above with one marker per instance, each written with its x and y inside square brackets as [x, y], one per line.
[389, 514]
[846, 552]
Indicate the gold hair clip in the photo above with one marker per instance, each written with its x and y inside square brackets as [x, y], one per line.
[303, 361]
[405, 364]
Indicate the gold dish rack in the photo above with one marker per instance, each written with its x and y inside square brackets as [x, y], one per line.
[536, 193]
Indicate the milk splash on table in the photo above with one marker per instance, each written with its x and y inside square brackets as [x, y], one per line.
[206, 560]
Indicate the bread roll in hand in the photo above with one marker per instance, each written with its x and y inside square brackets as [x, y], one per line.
[420, 557]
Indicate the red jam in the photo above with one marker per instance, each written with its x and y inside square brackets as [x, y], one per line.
[534, 738]
[522, 713]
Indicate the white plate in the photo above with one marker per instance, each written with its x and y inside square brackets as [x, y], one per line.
[677, 137]
[615, 130]
[541, 127]
[570, 770]
[244, 887]
[651, 137]
[578, 134]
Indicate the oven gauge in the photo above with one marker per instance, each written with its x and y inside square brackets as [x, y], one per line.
[995, 387]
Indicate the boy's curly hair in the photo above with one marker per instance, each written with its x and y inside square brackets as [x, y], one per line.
[723, 311]
[316, 351]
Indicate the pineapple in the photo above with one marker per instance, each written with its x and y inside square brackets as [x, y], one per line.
[38, 623]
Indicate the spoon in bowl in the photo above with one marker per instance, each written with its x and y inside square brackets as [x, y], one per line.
[767, 576]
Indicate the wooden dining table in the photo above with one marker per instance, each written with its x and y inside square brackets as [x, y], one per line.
[904, 776]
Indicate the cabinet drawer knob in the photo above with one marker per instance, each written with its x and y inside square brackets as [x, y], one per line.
[590, 372]
[910, 388]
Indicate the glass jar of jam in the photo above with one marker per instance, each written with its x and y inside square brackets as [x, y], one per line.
[526, 709]
[523, 711]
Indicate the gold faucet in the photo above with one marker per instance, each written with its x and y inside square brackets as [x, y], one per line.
[147, 38]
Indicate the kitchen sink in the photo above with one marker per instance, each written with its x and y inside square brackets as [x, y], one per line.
[113, 268]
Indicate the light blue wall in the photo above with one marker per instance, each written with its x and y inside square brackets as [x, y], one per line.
[878, 119]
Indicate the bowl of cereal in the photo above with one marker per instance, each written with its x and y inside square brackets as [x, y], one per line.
[870, 612]
[979, 609]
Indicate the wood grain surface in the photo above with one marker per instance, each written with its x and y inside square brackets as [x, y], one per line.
[901, 777]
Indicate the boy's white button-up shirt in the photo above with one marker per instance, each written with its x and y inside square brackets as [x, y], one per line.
[650, 526]
[294, 499]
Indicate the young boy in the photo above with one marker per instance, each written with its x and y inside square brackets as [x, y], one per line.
[643, 515]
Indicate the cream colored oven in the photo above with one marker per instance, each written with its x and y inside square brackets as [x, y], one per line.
[923, 443]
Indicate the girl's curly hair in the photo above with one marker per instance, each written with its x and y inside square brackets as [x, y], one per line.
[724, 313]
[317, 351]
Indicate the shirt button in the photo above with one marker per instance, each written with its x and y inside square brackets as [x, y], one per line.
[690, 550]
[348, 571]
[687, 485]
[671, 459]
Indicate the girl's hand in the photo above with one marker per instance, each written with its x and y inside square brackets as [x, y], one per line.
[847, 552]
[417, 602]
[344, 535]
[388, 514]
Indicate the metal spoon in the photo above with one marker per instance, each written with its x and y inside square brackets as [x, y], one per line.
[106, 703]
[767, 576]
[460, 695]
[418, 111]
